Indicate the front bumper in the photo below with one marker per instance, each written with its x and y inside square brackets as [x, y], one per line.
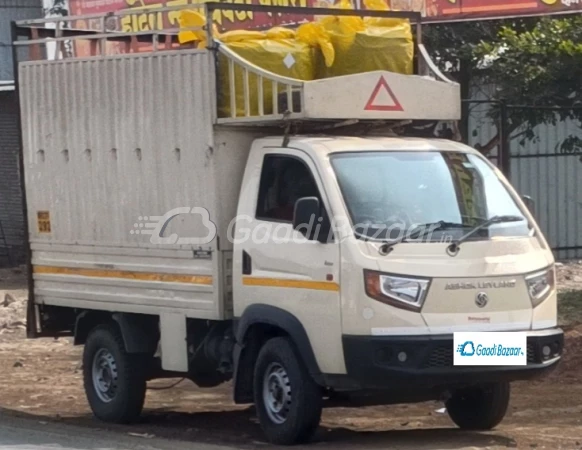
[372, 361]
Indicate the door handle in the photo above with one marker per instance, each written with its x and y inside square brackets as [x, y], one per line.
[247, 267]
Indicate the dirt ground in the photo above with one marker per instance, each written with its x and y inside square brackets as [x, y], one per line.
[42, 379]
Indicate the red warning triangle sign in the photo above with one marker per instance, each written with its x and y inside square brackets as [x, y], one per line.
[383, 99]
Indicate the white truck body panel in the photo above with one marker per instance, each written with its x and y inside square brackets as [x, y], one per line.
[382, 95]
[174, 348]
[97, 167]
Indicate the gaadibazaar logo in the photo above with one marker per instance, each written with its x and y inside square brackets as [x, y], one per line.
[469, 349]
[490, 348]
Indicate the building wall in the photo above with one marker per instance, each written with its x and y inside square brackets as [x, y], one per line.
[11, 216]
[539, 168]
[13, 10]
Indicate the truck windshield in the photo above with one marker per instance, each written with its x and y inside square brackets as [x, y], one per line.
[390, 194]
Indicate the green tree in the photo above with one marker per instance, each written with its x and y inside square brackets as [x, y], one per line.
[535, 62]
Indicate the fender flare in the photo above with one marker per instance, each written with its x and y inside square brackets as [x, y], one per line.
[260, 314]
[140, 332]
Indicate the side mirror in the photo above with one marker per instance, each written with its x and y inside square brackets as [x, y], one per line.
[309, 220]
[530, 203]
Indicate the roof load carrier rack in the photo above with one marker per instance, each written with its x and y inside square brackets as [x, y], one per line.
[427, 95]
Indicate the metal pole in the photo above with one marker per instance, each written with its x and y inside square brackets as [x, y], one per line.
[209, 26]
[422, 66]
[504, 143]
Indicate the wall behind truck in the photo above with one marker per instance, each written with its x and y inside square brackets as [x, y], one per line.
[539, 168]
[11, 217]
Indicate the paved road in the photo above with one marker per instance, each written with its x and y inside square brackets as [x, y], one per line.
[30, 434]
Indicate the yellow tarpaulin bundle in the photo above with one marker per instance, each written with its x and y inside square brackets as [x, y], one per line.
[365, 45]
[276, 51]
[328, 47]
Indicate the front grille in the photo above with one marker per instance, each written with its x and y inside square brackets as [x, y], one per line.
[531, 353]
[441, 356]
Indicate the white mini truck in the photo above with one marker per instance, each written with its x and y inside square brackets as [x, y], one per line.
[328, 266]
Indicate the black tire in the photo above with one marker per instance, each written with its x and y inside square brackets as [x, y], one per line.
[480, 407]
[303, 410]
[125, 402]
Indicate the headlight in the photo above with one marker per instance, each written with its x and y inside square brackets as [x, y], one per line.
[540, 285]
[401, 292]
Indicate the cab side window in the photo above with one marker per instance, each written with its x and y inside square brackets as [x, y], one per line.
[284, 180]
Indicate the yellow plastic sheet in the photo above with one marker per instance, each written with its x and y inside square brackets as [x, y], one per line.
[381, 5]
[342, 29]
[315, 35]
[368, 45]
[280, 33]
[272, 51]
[192, 19]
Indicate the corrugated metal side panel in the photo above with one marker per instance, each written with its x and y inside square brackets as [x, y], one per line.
[11, 215]
[539, 169]
[553, 181]
[111, 145]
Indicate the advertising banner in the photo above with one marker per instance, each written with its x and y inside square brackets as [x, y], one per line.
[431, 10]
[462, 10]
[225, 20]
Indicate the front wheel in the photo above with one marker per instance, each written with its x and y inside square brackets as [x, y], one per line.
[288, 401]
[480, 407]
[115, 381]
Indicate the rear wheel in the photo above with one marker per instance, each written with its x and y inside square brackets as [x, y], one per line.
[115, 382]
[288, 401]
[480, 407]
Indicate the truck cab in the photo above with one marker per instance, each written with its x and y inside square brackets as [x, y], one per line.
[372, 252]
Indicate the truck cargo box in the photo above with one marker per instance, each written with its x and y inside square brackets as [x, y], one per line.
[110, 149]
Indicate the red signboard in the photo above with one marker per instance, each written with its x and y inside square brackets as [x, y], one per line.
[432, 10]
[225, 20]
[456, 10]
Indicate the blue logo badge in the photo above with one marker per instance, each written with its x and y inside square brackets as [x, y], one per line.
[466, 349]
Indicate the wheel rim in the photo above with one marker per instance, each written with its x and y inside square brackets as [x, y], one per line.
[105, 375]
[277, 393]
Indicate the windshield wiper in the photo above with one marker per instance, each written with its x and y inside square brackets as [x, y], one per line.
[453, 249]
[418, 233]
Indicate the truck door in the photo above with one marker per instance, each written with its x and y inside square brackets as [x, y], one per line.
[275, 264]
